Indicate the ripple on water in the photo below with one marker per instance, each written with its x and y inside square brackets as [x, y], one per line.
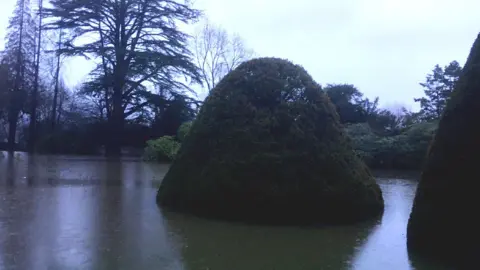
[76, 213]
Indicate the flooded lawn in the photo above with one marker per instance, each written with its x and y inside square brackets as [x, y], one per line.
[62, 212]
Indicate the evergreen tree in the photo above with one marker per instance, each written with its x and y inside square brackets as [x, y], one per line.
[134, 41]
[350, 103]
[444, 221]
[18, 58]
[265, 114]
[437, 88]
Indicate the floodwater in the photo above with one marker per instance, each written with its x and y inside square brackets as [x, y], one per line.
[61, 213]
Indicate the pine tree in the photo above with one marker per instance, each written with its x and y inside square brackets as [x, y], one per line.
[438, 88]
[135, 41]
[18, 57]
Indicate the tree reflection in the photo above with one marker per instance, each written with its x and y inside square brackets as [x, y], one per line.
[218, 245]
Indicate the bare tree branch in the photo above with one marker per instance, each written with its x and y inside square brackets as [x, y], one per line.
[217, 53]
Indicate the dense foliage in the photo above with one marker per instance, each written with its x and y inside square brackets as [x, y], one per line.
[267, 146]
[183, 130]
[394, 140]
[438, 86]
[405, 150]
[163, 149]
[142, 95]
[135, 42]
[444, 221]
[17, 66]
[385, 139]
[140, 87]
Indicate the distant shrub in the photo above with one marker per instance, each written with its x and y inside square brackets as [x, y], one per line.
[183, 130]
[404, 151]
[163, 149]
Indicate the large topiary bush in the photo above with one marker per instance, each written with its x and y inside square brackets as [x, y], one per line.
[267, 147]
[445, 219]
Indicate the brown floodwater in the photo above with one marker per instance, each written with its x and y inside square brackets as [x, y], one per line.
[66, 212]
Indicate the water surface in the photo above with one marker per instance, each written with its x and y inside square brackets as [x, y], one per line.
[68, 212]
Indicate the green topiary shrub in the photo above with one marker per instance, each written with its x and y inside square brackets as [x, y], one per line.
[267, 147]
[445, 219]
[163, 149]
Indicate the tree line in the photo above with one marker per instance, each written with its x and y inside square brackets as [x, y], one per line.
[383, 138]
[142, 85]
[395, 140]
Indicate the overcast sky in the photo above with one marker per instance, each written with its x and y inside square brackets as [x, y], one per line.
[384, 47]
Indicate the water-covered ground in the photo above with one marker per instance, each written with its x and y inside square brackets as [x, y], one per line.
[61, 213]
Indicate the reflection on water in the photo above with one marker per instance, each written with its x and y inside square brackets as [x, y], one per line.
[83, 213]
[388, 238]
[20, 170]
[217, 245]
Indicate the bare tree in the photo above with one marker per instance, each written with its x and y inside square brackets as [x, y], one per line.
[217, 52]
[34, 102]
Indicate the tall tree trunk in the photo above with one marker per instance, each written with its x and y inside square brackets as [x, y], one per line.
[57, 79]
[15, 107]
[12, 130]
[33, 110]
[116, 124]
[116, 118]
[60, 108]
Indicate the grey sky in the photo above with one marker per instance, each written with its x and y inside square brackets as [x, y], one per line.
[384, 47]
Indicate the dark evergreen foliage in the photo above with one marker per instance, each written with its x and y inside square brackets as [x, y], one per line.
[348, 101]
[136, 41]
[438, 87]
[267, 147]
[18, 60]
[445, 217]
[405, 151]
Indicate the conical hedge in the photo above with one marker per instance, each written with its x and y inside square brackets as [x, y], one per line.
[445, 219]
[267, 147]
